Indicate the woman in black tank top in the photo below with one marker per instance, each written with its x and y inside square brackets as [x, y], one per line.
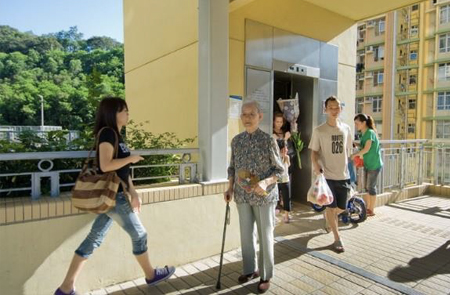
[113, 114]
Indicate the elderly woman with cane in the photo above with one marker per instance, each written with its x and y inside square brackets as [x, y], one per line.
[255, 167]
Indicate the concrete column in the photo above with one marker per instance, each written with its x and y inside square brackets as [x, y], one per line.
[213, 88]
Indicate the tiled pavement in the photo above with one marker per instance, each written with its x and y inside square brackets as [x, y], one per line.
[405, 248]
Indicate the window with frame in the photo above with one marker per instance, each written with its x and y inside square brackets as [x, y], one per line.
[412, 128]
[376, 104]
[444, 72]
[359, 81]
[444, 14]
[414, 30]
[442, 129]
[415, 7]
[380, 26]
[361, 33]
[413, 55]
[412, 79]
[411, 104]
[444, 43]
[378, 77]
[443, 101]
[378, 53]
[361, 57]
[359, 105]
[379, 127]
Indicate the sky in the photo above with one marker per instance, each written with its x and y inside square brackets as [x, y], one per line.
[92, 17]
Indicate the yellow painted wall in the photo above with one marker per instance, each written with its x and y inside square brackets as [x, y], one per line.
[155, 28]
[161, 64]
[37, 254]
[294, 16]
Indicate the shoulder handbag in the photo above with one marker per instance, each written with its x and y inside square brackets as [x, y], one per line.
[94, 192]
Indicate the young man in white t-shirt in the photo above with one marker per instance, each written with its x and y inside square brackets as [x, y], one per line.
[330, 149]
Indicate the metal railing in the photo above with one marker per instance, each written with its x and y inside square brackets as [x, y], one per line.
[185, 170]
[411, 162]
[406, 162]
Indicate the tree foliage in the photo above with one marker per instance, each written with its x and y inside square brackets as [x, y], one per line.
[71, 73]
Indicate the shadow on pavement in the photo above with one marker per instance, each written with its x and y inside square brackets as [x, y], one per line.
[437, 262]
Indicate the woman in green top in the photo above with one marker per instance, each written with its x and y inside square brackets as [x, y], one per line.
[370, 151]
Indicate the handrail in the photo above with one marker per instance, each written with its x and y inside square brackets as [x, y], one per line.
[400, 141]
[187, 169]
[84, 154]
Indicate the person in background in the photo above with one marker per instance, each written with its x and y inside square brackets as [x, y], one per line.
[371, 154]
[284, 188]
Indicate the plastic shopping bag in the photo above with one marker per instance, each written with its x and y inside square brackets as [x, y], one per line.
[320, 193]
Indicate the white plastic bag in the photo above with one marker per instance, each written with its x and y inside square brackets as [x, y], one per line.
[320, 193]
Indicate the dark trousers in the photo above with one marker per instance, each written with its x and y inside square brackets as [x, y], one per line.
[284, 190]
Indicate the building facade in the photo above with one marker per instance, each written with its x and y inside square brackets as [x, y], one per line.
[403, 71]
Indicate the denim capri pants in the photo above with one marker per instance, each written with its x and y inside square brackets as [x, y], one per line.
[371, 181]
[123, 214]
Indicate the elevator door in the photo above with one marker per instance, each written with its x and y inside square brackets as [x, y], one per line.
[259, 88]
[286, 86]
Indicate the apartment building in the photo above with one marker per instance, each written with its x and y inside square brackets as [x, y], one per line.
[403, 71]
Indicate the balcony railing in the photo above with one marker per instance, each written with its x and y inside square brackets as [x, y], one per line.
[411, 162]
[180, 168]
[406, 162]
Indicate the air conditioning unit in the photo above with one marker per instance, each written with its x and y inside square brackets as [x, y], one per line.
[370, 23]
[369, 99]
[369, 75]
[369, 49]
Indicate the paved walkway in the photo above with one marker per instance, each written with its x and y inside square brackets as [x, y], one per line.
[404, 249]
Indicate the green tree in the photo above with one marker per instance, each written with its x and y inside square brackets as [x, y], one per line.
[71, 73]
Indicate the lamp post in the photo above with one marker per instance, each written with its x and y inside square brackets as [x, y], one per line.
[42, 110]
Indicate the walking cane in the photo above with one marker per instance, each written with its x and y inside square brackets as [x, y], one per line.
[227, 221]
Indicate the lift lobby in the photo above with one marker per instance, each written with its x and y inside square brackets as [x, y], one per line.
[187, 61]
[183, 61]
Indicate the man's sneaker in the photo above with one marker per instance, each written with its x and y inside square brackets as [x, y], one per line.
[161, 274]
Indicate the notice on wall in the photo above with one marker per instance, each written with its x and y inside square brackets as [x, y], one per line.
[234, 106]
[259, 88]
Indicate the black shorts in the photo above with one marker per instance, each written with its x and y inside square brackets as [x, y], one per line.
[341, 193]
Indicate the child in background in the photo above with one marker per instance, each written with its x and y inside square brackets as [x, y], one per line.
[284, 188]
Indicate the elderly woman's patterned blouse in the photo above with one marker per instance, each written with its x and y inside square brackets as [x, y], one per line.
[254, 157]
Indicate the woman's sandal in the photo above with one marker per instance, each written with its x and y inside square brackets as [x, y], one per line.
[338, 246]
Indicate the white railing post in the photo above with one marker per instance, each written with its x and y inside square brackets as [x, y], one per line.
[436, 166]
[402, 166]
[382, 173]
[421, 160]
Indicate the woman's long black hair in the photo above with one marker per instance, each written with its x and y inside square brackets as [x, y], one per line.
[107, 111]
[368, 119]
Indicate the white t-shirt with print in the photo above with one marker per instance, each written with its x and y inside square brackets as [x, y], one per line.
[333, 145]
